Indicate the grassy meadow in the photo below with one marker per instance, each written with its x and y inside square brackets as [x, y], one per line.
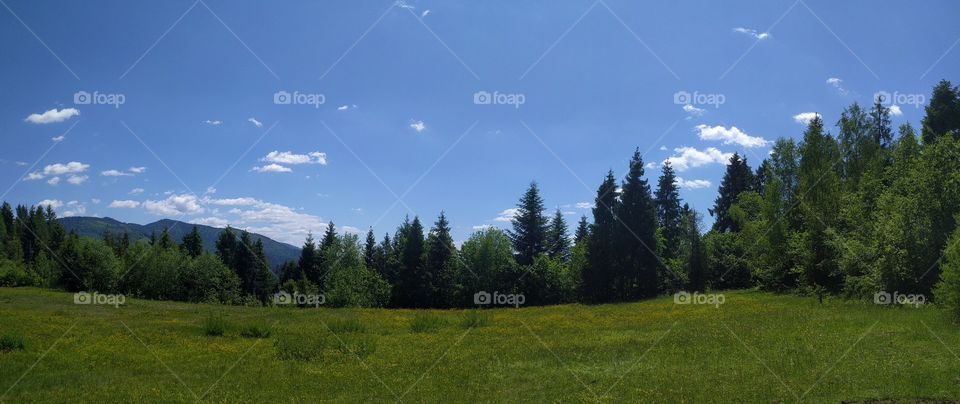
[754, 347]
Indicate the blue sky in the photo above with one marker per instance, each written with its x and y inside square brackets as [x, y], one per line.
[573, 87]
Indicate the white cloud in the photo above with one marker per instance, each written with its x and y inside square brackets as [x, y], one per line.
[115, 173]
[692, 184]
[752, 32]
[895, 110]
[584, 205]
[507, 215]
[424, 13]
[247, 201]
[271, 168]
[731, 135]
[804, 118]
[69, 168]
[124, 204]
[74, 208]
[77, 179]
[293, 158]
[33, 176]
[690, 157]
[343, 108]
[53, 181]
[651, 165]
[136, 191]
[96, 201]
[137, 170]
[53, 116]
[279, 222]
[210, 191]
[210, 221]
[693, 111]
[418, 126]
[837, 83]
[482, 227]
[350, 230]
[174, 205]
[403, 4]
[58, 139]
[663, 148]
[213, 123]
[255, 122]
[52, 203]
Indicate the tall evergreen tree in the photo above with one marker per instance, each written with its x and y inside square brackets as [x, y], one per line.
[411, 258]
[437, 278]
[738, 178]
[370, 249]
[227, 247]
[820, 203]
[166, 242]
[583, 231]
[638, 266]
[668, 210]
[308, 263]
[942, 113]
[880, 126]
[696, 254]
[558, 240]
[598, 274]
[529, 232]
[192, 244]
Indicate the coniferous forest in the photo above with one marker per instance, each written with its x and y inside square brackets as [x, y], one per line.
[852, 208]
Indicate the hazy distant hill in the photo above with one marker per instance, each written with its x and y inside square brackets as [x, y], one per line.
[276, 252]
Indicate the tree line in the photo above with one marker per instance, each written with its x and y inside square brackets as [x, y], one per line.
[870, 209]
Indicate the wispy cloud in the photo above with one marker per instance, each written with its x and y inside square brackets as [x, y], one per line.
[752, 33]
[53, 116]
[255, 122]
[692, 184]
[213, 122]
[804, 118]
[418, 126]
[288, 157]
[124, 204]
[837, 83]
[271, 168]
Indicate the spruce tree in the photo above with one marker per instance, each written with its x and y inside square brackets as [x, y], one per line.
[192, 244]
[370, 249]
[668, 210]
[558, 240]
[738, 178]
[166, 242]
[529, 232]
[582, 232]
[638, 266]
[227, 248]
[437, 278]
[411, 258]
[308, 264]
[597, 276]
[942, 113]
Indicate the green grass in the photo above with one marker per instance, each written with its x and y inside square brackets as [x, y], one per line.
[10, 342]
[756, 347]
[215, 325]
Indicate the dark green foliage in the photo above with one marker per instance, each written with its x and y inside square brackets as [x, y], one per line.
[942, 113]
[583, 231]
[11, 342]
[738, 178]
[192, 243]
[638, 266]
[215, 325]
[437, 276]
[558, 240]
[948, 289]
[529, 233]
[598, 275]
[668, 210]
[256, 330]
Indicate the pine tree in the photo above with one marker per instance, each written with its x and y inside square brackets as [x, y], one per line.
[411, 258]
[696, 260]
[597, 276]
[326, 254]
[437, 278]
[583, 231]
[668, 210]
[308, 264]
[638, 266]
[370, 249]
[227, 248]
[880, 127]
[738, 178]
[263, 281]
[192, 244]
[558, 240]
[529, 232]
[942, 113]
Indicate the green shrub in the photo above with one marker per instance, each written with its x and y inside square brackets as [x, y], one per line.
[948, 290]
[475, 319]
[361, 346]
[300, 346]
[342, 326]
[11, 342]
[14, 274]
[215, 326]
[425, 322]
[255, 330]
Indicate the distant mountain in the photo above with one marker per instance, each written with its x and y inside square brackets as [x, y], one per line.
[277, 253]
